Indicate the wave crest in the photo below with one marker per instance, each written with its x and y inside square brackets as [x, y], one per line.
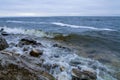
[34, 32]
[84, 27]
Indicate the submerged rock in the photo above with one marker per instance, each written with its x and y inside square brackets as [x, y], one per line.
[3, 43]
[75, 62]
[83, 75]
[62, 47]
[36, 53]
[28, 41]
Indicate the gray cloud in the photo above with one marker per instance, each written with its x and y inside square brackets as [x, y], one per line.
[59, 7]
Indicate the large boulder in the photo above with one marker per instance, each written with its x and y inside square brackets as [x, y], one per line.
[14, 72]
[3, 43]
[83, 75]
[15, 67]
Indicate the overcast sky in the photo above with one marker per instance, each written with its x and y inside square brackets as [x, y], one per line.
[59, 7]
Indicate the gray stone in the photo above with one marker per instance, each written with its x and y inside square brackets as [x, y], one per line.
[83, 75]
[3, 43]
[36, 53]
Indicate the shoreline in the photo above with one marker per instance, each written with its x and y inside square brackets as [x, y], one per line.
[58, 60]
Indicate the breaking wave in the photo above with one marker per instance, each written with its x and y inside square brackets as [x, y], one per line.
[34, 32]
[62, 24]
[24, 22]
[84, 27]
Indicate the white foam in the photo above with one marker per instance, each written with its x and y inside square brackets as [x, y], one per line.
[64, 61]
[34, 32]
[84, 27]
[13, 30]
[30, 22]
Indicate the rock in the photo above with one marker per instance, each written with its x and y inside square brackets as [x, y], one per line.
[62, 68]
[83, 75]
[25, 48]
[59, 46]
[2, 29]
[49, 66]
[6, 53]
[18, 68]
[28, 41]
[36, 53]
[4, 33]
[62, 47]
[3, 43]
[56, 55]
[75, 62]
[14, 72]
[47, 76]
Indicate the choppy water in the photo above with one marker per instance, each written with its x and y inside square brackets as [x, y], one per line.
[94, 37]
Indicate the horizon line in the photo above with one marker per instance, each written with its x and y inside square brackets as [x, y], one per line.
[65, 16]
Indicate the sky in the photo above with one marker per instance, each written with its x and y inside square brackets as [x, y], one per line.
[59, 8]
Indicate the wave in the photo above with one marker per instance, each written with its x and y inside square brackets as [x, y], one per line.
[34, 32]
[13, 30]
[84, 27]
[61, 24]
[24, 22]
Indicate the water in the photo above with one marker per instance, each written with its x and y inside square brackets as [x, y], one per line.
[107, 29]
[92, 37]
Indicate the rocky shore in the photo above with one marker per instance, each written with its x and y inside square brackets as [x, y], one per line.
[24, 57]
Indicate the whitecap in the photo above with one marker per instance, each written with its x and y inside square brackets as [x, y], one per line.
[15, 30]
[24, 22]
[84, 27]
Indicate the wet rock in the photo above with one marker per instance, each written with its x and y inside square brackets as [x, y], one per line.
[25, 48]
[104, 60]
[75, 62]
[59, 46]
[36, 52]
[55, 65]
[62, 68]
[56, 55]
[14, 72]
[6, 53]
[83, 75]
[3, 43]
[4, 33]
[28, 41]
[49, 66]
[2, 29]
[18, 68]
[62, 47]
[47, 76]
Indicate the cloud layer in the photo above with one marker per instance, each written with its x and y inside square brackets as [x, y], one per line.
[59, 7]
